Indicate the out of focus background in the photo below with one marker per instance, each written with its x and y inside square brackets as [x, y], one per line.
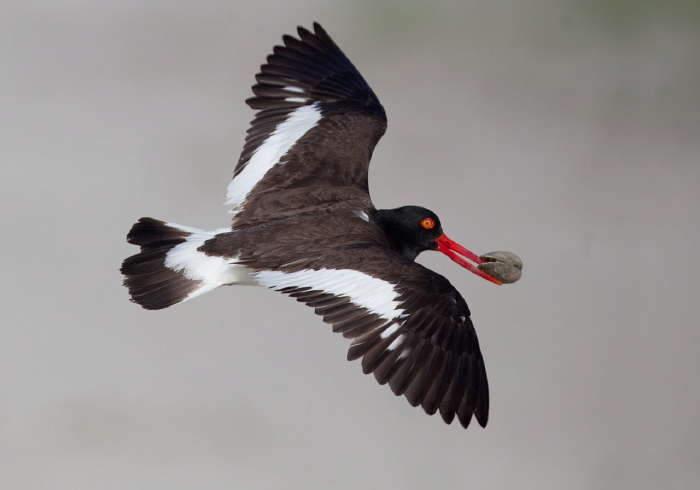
[565, 131]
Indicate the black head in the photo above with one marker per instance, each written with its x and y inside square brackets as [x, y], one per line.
[410, 229]
[413, 229]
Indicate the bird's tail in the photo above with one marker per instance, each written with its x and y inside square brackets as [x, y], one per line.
[170, 267]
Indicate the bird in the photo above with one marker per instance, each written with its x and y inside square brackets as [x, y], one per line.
[303, 224]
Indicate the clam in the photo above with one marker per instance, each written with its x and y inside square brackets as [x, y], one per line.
[503, 266]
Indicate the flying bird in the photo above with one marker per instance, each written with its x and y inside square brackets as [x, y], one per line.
[304, 224]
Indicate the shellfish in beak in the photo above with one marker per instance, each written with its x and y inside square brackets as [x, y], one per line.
[504, 266]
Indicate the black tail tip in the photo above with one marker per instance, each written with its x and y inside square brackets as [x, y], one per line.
[150, 232]
[151, 283]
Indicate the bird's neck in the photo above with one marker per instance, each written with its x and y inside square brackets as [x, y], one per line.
[397, 234]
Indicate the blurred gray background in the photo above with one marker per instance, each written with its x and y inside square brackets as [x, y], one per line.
[565, 131]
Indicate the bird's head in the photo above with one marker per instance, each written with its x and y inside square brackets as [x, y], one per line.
[414, 229]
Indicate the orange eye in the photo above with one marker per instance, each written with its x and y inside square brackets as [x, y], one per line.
[427, 223]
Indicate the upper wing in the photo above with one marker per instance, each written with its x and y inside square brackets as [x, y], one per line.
[411, 327]
[317, 123]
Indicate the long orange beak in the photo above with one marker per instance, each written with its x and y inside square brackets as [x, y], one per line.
[448, 247]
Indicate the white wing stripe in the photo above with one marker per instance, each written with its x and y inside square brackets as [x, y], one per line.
[397, 342]
[365, 291]
[386, 333]
[269, 153]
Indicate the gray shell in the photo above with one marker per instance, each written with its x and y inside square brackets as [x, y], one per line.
[504, 266]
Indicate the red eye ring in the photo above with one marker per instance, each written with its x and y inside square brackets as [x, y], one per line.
[428, 223]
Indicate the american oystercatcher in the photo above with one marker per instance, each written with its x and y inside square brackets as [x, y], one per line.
[304, 225]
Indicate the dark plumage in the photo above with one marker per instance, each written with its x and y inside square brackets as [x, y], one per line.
[304, 224]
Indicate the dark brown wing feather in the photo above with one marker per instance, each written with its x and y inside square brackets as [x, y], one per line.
[439, 365]
[436, 363]
[311, 71]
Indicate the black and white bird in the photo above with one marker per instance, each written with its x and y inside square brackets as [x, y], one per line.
[304, 225]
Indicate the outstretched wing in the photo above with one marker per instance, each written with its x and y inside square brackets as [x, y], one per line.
[411, 327]
[318, 122]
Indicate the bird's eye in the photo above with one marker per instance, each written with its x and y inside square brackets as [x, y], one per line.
[427, 223]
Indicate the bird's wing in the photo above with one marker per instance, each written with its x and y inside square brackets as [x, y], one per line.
[318, 122]
[411, 327]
